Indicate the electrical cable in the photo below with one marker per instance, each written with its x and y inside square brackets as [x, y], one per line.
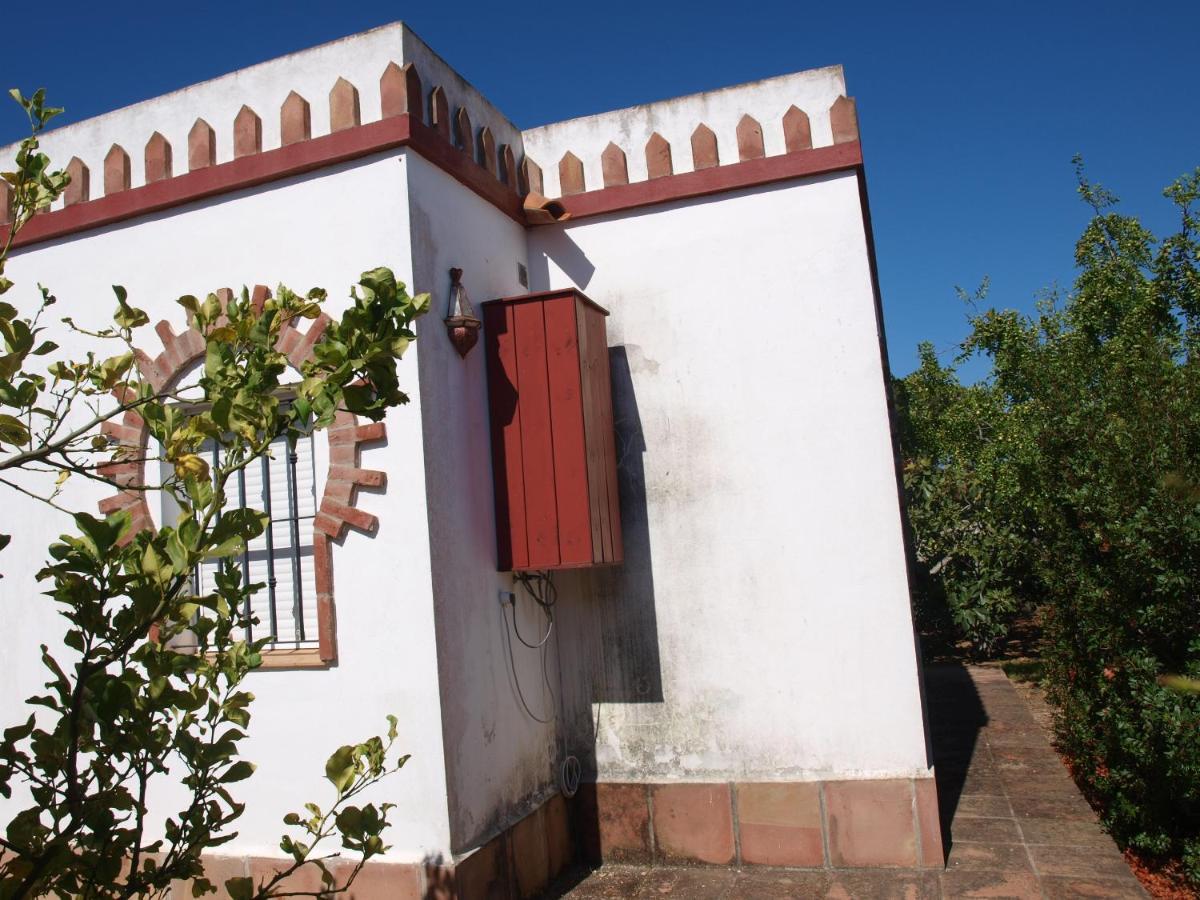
[540, 586]
[512, 662]
[542, 590]
[546, 637]
[569, 775]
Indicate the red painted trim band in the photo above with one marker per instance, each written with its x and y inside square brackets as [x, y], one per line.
[273, 165]
[461, 166]
[714, 180]
[406, 131]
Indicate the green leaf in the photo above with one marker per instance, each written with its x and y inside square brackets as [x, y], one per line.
[350, 821]
[239, 771]
[240, 888]
[127, 316]
[340, 768]
[102, 534]
[155, 566]
[237, 526]
[13, 431]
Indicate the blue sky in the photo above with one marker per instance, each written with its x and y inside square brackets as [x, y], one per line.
[970, 112]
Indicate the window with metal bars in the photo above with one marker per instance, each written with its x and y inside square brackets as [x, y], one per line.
[283, 485]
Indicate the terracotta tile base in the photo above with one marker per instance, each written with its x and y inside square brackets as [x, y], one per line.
[780, 824]
[694, 822]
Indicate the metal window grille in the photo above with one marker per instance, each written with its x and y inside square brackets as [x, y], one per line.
[283, 485]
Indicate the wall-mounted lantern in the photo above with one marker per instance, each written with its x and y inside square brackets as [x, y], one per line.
[462, 325]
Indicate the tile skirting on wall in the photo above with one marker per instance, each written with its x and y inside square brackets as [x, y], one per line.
[879, 823]
[814, 824]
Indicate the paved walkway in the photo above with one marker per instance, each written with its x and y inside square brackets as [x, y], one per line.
[1014, 823]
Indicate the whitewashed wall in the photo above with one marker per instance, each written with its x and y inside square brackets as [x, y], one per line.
[499, 760]
[760, 627]
[766, 591]
[321, 229]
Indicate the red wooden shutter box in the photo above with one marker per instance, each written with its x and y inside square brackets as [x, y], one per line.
[554, 460]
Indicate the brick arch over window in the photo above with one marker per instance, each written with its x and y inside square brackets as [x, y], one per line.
[337, 510]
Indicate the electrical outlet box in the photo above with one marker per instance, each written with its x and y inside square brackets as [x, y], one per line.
[554, 458]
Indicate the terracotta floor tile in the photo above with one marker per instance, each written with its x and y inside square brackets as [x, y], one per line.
[1009, 885]
[960, 756]
[778, 885]
[975, 805]
[1062, 833]
[996, 831]
[1029, 757]
[1029, 737]
[980, 773]
[867, 885]
[1080, 862]
[1006, 857]
[1018, 784]
[711, 882]
[973, 783]
[1077, 888]
[1063, 807]
[1009, 716]
[610, 882]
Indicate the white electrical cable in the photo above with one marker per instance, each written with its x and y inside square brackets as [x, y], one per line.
[541, 646]
[545, 637]
[541, 587]
[569, 774]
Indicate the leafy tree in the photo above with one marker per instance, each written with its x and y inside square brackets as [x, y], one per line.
[972, 573]
[127, 702]
[1070, 478]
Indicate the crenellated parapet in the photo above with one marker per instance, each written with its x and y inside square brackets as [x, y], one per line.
[385, 90]
[280, 104]
[774, 117]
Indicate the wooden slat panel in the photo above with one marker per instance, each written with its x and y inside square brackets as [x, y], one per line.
[608, 444]
[537, 446]
[566, 417]
[598, 376]
[591, 452]
[512, 548]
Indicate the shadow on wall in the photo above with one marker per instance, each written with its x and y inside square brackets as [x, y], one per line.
[607, 651]
[623, 596]
[567, 255]
[606, 644]
[440, 883]
[610, 651]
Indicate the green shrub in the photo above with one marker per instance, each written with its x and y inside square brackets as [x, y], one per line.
[1069, 477]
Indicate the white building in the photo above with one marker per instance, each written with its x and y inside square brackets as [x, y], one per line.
[743, 688]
